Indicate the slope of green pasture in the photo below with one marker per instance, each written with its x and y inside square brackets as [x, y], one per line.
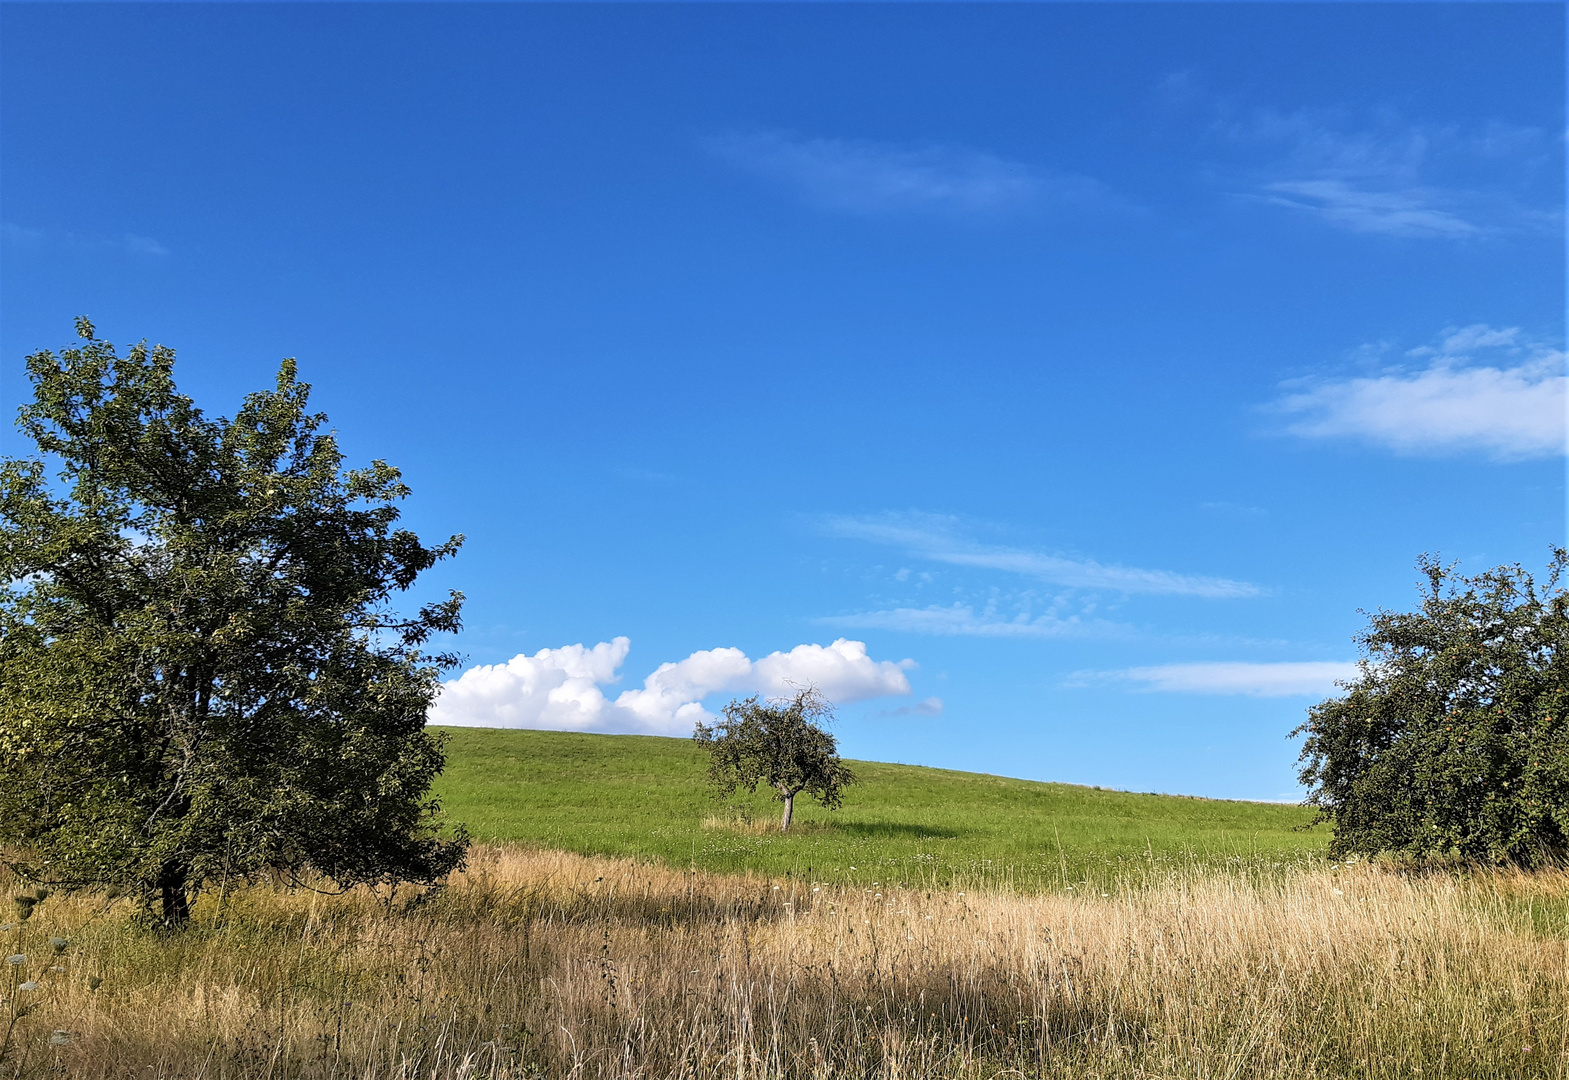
[643, 796]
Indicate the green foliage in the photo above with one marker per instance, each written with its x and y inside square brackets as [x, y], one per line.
[779, 744]
[1452, 743]
[201, 677]
[642, 796]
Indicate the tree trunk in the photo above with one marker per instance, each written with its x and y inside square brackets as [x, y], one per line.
[789, 801]
[172, 891]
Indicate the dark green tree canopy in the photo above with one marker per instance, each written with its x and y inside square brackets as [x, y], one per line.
[779, 744]
[1452, 742]
[201, 676]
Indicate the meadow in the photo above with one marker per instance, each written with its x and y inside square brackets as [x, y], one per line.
[1164, 937]
[548, 964]
[645, 797]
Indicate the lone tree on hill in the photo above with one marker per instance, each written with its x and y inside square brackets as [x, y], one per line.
[781, 744]
[201, 678]
[1453, 743]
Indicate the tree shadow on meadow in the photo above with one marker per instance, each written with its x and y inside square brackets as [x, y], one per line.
[891, 830]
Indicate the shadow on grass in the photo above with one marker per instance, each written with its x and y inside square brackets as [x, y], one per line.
[889, 830]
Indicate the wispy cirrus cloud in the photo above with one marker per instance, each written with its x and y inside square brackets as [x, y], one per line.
[1477, 389]
[141, 245]
[1313, 678]
[129, 243]
[931, 706]
[1375, 172]
[1413, 212]
[940, 539]
[865, 177]
[963, 620]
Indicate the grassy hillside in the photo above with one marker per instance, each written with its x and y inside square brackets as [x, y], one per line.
[636, 795]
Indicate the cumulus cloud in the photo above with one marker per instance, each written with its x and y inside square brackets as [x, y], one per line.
[1478, 389]
[1291, 679]
[939, 539]
[860, 176]
[562, 689]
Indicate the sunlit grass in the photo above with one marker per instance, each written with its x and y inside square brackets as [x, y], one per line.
[541, 964]
[943, 925]
[645, 797]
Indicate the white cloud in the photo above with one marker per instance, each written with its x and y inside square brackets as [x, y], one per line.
[1480, 390]
[859, 176]
[1292, 679]
[561, 688]
[842, 671]
[937, 538]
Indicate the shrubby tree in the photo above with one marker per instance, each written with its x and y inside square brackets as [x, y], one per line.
[779, 744]
[201, 676]
[1452, 743]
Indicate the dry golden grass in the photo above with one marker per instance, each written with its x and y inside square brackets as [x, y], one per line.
[547, 964]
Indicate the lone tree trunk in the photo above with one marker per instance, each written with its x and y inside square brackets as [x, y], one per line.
[789, 801]
[172, 892]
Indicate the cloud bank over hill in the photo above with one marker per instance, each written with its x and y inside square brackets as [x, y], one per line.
[561, 689]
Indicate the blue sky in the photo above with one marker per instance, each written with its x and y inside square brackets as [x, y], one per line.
[1051, 384]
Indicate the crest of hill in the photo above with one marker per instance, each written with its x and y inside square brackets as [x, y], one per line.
[645, 797]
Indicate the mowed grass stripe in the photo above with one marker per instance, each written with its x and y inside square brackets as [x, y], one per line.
[643, 796]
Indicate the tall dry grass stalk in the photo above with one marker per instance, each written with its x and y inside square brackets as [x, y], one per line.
[553, 965]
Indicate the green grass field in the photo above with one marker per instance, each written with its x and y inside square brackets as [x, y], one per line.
[640, 796]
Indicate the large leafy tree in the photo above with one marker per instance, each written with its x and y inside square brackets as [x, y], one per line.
[1453, 742]
[201, 676]
[781, 745]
